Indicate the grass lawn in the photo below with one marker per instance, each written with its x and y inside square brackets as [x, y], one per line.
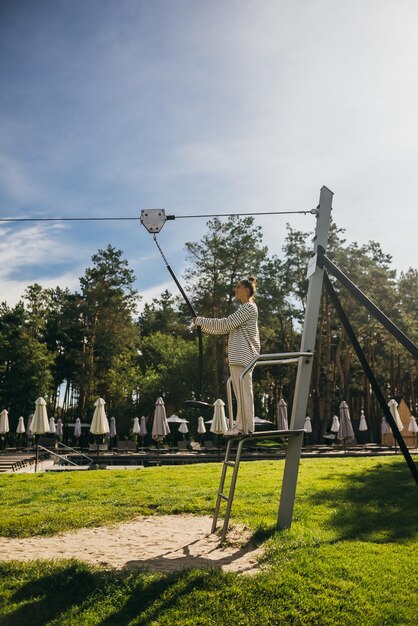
[351, 556]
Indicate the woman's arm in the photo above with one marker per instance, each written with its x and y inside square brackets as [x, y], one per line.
[223, 325]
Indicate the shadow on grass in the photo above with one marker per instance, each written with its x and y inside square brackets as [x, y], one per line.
[379, 504]
[43, 598]
[70, 590]
[147, 602]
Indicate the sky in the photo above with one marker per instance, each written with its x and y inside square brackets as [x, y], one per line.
[201, 106]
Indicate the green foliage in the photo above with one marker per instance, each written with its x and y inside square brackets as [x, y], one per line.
[93, 342]
[163, 357]
[26, 363]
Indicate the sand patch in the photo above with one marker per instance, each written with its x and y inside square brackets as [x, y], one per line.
[157, 543]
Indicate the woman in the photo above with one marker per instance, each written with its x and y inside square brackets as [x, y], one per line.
[243, 346]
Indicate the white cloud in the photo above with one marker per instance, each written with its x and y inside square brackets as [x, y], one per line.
[38, 251]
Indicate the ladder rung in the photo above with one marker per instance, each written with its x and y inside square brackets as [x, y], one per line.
[229, 463]
[223, 496]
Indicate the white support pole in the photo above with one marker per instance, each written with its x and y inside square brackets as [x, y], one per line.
[303, 377]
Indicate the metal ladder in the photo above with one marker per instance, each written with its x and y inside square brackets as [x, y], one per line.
[234, 464]
[280, 358]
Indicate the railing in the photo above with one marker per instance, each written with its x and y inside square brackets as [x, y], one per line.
[63, 445]
[277, 358]
[65, 456]
[60, 456]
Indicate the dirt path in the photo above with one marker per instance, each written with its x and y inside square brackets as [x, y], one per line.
[157, 543]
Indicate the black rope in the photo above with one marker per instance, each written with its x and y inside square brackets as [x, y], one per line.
[168, 217]
[310, 211]
[193, 312]
[64, 219]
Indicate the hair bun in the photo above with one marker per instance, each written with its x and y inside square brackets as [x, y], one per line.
[252, 281]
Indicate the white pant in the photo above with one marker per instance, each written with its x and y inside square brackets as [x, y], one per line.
[247, 395]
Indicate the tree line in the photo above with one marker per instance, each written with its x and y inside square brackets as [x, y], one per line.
[71, 347]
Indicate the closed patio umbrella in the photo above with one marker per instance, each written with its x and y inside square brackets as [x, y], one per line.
[308, 425]
[20, 430]
[219, 425]
[335, 426]
[77, 428]
[345, 431]
[112, 431]
[393, 406]
[384, 427]
[4, 423]
[282, 419]
[201, 428]
[112, 427]
[21, 426]
[143, 428]
[160, 427]
[135, 427]
[100, 424]
[29, 432]
[52, 426]
[39, 425]
[413, 427]
[363, 424]
[59, 429]
[183, 428]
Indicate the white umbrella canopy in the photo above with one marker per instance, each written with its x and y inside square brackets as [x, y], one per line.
[183, 428]
[308, 425]
[346, 428]
[20, 426]
[52, 425]
[201, 428]
[40, 424]
[136, 427]
[160, 427]
[259, 421]
[59, 429]
[112, 427]
[413, 427]
[282, 419]
[335, 426]
[100, 423]
[4, 422]
[393, 406]
[363, 424]
[77, 428]
[175, 419]
[143, 428]
[219, 425]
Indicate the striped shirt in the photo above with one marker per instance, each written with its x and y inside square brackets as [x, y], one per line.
[242, 330]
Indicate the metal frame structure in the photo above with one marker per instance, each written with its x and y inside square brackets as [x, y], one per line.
[389, 325]
[303, 378]
[317, 277]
